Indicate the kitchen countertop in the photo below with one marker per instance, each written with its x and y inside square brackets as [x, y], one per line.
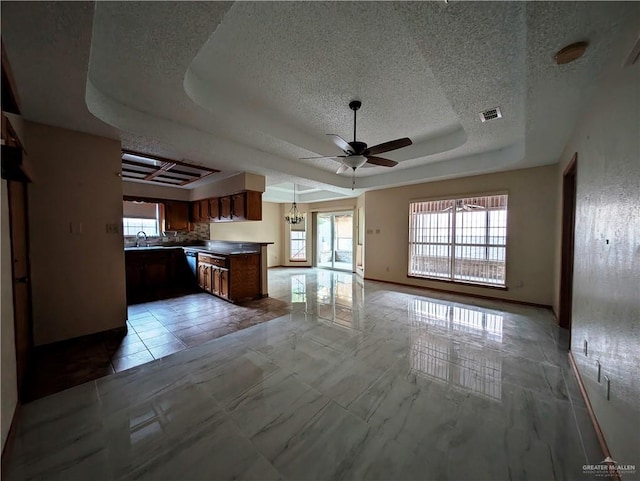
[227, 248]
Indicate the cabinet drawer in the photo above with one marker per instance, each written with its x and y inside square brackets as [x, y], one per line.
[213, 260]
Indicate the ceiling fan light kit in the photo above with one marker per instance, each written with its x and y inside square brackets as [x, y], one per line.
[356, 154]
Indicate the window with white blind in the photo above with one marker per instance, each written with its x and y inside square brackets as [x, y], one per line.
[461, 240]
[141, 216]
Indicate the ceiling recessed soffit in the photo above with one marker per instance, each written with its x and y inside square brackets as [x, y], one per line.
[150, 168]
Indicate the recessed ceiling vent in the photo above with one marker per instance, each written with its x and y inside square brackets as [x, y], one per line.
[491, 114]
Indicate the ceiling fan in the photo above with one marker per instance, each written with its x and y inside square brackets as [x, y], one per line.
[357, 153]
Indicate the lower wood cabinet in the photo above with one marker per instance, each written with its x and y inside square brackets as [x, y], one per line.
[156, 274]
[235, 277]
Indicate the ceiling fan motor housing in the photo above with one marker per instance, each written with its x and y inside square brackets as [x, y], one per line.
[358, 147]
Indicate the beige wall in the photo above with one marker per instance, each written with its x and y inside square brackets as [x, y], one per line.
[230, 185]
[266, 230]
[8, 376]
[77, 268]
[606, 286]
[531, 231]
[154, 191]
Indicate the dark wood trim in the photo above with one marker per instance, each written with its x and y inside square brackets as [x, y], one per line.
[164, 159]
[8, 444]
[596, 425]
[569, 184]
[460, 283]
[10, 98]
[446, 291]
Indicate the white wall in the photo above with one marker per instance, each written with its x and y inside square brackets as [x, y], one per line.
[8, 358]
[530, 238]
[77, 268]
[606, 288]
[265, 230]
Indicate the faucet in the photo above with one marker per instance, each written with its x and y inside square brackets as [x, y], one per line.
[141, 238]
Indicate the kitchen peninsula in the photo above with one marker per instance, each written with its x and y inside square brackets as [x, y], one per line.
[234, 271]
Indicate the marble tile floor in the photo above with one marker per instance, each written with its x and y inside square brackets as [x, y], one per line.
[360, 380]
[154, 330]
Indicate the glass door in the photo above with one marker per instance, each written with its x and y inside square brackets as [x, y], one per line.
[335, 240]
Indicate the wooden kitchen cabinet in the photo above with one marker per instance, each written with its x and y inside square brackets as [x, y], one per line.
[214, 209]
[225, 208]
[235, 277]
[247, 205]
[195, 212]
[176, 215]
[156, 274]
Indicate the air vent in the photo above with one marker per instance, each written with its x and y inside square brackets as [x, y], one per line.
[491, 114]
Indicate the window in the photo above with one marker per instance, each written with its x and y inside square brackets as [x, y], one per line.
[132, 225]
[142, 216]
[298, 245]
[460, 240]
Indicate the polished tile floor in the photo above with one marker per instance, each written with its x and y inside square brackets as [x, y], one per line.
[154, 330]
[360, 380]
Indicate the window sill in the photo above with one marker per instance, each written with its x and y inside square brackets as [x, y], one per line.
[297, 260]
[460, 283]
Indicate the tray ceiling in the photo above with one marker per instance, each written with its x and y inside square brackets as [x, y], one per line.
[255, 86]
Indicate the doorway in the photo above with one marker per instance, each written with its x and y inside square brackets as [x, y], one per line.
[569, 179]
[335, 240]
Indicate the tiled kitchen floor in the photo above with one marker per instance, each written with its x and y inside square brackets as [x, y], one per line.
[155, 330]
[360, 380]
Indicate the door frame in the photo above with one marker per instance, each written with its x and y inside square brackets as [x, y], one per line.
[569, 191]
[316, 250]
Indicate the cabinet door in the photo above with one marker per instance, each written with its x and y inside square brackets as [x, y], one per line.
[195, 211]
[225, 208]
[134, 277]
[204, 210]
[216, 281]
[202, 273]
[156, 271]
[238, 205]
[253, 208]
[176, 215]
[214, 209]
[224, 283]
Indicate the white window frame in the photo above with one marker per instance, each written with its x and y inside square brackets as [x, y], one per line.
[430, 231]
[297, 235]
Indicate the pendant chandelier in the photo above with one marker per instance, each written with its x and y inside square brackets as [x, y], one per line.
[294, 216]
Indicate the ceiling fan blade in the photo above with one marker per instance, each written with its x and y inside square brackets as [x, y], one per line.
[334, 157]
[343, 168]
[381, 161]
[388, 146]
[343, 144]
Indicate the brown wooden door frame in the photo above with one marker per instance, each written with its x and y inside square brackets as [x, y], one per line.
[21, 275]
[569, 184]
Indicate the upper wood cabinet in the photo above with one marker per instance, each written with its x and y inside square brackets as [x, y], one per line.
[214, 209]
[245, 205]
[225, 208]
[176, 215]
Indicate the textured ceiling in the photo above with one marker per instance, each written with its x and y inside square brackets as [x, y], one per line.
[254, 86]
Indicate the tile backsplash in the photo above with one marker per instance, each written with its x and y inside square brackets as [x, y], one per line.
[200, 232]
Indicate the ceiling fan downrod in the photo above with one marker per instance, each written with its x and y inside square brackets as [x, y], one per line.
[355, 105]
